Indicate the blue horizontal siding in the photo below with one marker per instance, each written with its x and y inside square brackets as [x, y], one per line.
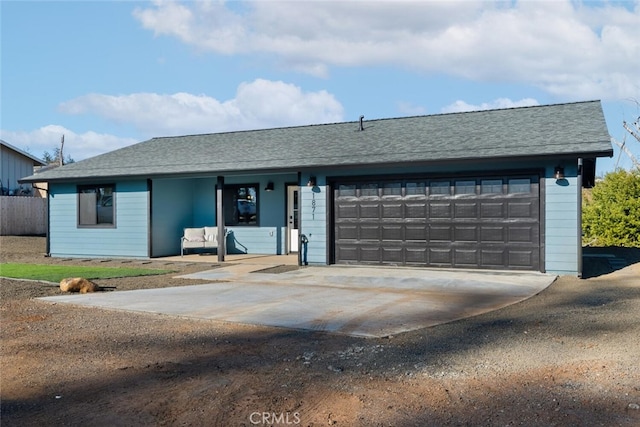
[171, 212]
[256, 240]
[129, 238]
[313, 219]
[562, 236]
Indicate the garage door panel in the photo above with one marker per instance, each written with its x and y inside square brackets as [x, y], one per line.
[347, 232]
[415, 210]
[347, 254]
[370, 232]
[391, 211]
[416, 232]
[465, 233]
[523, 209]
[441, 233]
[347, 211]
[370, 254]
[416, 255]
[441, 257]
[492, 234]
[493, 258]
[520, 258]
[392, 232]
[522, 234]
[443, 222]
[369, 211]
[491, 210]
[467, 210]
[465, 258]
[393, 255]
[440, 210]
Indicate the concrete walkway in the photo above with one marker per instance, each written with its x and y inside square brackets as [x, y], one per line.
[357, 301]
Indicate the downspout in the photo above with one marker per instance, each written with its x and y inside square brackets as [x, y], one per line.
[47, 239]
[222, 235]
[149, 218]
[299, 220]
[579, 185]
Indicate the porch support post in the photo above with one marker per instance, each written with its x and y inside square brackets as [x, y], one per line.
[222, 235]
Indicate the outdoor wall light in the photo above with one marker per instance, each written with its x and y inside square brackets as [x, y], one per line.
[312, 181]
[269, 186]
[558, 173]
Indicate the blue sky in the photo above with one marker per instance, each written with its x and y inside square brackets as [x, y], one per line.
[112, 73]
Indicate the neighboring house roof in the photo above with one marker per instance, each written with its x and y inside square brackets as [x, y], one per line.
[561, 130]
[36, 161]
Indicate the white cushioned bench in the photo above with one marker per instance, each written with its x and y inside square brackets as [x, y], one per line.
[199, 238]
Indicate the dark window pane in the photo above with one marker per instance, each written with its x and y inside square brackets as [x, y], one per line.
[347, 190]
[369, 190]
[519, 185]
[392, 189]
[491, 186]
[440, 187]
[241, 204]
[96, 205]
[465, 187]
[415, 188]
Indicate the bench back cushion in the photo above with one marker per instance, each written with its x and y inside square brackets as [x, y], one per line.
[211, 234]
[194, 234]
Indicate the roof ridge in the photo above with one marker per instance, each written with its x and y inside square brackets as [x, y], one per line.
[453, 113]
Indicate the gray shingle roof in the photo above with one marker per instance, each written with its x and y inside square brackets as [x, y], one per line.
[572, 130]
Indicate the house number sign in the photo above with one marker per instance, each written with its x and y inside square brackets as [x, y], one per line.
[313, 206]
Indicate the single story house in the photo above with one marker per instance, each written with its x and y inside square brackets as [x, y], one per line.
[497, 189]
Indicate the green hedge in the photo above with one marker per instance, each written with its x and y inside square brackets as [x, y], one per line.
[611, 213]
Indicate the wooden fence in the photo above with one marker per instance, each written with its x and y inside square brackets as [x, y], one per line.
[20, 216]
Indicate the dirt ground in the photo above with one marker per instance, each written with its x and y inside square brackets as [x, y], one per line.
[566, 357]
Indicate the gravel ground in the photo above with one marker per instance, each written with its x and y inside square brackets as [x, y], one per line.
[566, 357]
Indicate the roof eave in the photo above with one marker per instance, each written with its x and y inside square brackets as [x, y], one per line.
[294, 169]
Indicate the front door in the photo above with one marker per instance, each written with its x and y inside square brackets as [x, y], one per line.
[292, 217]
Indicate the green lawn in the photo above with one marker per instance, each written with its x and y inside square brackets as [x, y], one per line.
[55, 273]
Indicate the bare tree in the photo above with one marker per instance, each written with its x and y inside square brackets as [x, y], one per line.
[634, 130]
[61, 153]
[56, 157]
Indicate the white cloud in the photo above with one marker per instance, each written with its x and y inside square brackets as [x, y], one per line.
[258, 104]
[78, 146]
[410, 109]
[570, 49]
[462, 106]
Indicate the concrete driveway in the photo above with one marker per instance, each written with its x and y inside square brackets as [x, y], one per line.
[357, 301]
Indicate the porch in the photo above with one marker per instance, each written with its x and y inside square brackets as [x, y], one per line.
[264, 260]
[260, 214]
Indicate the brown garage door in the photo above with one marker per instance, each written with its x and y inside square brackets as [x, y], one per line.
[477, 222]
